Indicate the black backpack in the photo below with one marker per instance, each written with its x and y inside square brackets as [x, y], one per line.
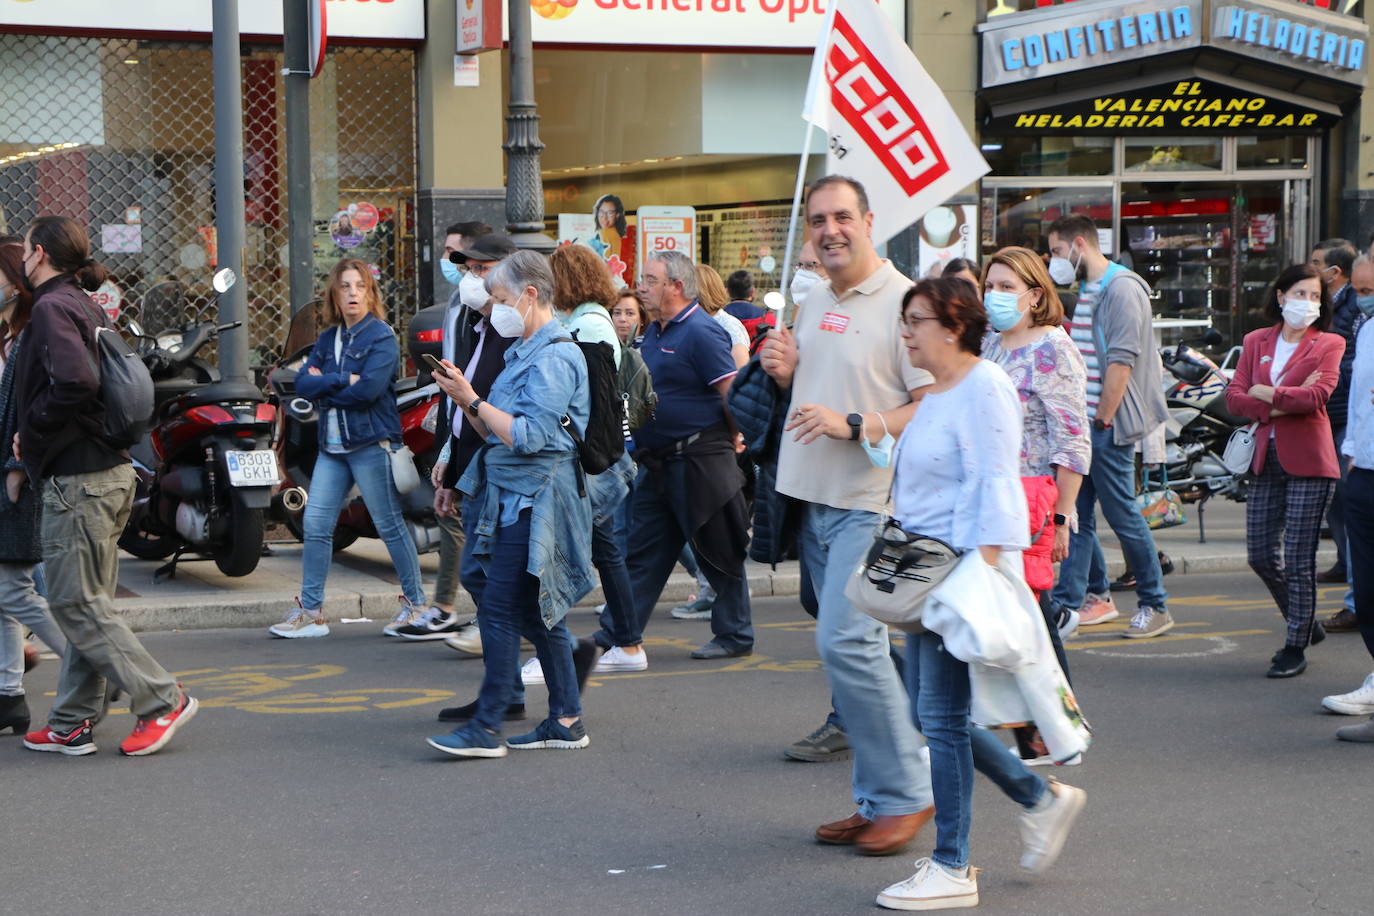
[126, 388]
[602, 443]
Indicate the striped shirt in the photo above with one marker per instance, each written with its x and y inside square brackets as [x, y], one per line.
[1081, 331]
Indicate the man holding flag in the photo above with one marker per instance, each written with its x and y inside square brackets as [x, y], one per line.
[852, 387]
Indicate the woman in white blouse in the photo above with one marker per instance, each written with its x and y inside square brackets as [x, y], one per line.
[958, 478]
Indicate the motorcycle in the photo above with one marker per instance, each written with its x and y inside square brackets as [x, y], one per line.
[1198, 428]
[206, 471]
[297, 446]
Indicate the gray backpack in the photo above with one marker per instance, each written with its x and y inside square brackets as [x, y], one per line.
[126, 387]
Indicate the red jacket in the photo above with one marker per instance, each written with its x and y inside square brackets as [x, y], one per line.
[1303, 434]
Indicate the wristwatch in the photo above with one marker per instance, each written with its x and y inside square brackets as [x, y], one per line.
[856, 422]
[475, 405]
[1101, 424]
[1061, 520]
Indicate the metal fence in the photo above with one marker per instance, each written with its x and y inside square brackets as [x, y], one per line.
[119, 135]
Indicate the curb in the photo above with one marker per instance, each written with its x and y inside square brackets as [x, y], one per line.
[219, 609]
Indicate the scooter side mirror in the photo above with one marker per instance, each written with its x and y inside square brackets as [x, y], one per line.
[1212, 338]
[224, 280]
[136, 329]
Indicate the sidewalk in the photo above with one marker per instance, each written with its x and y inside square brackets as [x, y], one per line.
[362, 582]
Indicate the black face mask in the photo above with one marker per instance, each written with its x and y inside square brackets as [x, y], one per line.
[24, 275]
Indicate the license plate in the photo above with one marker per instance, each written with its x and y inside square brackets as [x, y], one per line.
[252, 469]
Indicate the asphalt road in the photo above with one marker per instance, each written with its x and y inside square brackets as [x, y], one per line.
[305, 786]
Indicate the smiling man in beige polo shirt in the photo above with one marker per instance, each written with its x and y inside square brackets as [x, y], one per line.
[852, 392]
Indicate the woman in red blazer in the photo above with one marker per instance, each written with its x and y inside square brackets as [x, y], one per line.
[1285, 375]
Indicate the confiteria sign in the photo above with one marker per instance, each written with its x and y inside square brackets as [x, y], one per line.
[700, 23]
[401, 19]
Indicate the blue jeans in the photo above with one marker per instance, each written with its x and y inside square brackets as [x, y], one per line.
[370, 468]
[1110, 482]
[940, 701]
[509, 611]
[474, 579]
[889, 777]
[618, 623]
[624, 515]
[658, 541]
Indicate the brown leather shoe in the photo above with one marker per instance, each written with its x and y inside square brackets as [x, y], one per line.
[1333, 576]
[1343, 621]
[843, 833]
[890, 833]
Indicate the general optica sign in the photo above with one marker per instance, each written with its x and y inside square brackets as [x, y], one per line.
[691, 23]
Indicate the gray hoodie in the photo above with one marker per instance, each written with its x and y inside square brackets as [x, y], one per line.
[1122, 327]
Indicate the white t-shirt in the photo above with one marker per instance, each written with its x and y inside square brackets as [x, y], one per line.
[851, 360]
[739, 337]
[1283, 352]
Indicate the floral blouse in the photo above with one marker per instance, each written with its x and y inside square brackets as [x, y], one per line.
[1051, 379]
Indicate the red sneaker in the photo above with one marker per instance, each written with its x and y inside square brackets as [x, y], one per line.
[151, 735]
[76, 743]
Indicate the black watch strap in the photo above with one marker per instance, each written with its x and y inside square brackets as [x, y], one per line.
[476, 405]
[1060, 520]
[855, 422]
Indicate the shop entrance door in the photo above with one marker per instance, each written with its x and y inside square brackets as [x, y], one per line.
[1210, 250]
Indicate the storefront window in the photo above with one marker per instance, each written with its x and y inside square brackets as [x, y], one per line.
[1021, 216]
[1285, 152]
[1172, 154]
[1049, 155]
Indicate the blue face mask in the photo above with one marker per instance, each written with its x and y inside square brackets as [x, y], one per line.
[1366, 305]
[881, 454]
[452, 273]
[1003, 308]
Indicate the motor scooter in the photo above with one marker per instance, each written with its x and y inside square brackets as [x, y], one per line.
[1198, 429]
[206, 471]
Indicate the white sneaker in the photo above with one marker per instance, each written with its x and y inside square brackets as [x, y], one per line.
[1043, 830]
[406, 615]
[467, 640]
[1048, 761]
[532, 673]
[300, 624]
[933, 887]
[617, 659]
[1355, 703]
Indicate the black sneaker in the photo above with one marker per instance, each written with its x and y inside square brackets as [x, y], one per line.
[434, 624]
[514, 712]
[1289, 662]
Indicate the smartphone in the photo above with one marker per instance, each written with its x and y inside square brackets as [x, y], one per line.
[435, 365]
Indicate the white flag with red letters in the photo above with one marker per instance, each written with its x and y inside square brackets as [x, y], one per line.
[888, 124]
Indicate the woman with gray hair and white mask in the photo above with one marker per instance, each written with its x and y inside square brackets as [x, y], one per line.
[533, 533]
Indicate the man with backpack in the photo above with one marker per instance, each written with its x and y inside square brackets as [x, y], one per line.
[87, 489]
[693, 488]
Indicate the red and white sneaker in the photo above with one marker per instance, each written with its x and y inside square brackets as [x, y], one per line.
[152, 735]
[76, 743]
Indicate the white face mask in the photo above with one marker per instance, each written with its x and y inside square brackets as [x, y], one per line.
[1063, 271]
[506, 320]
[472, 291]
[803, 281]
[1300, 313]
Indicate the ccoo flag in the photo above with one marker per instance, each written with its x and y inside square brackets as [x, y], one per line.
[888, 124]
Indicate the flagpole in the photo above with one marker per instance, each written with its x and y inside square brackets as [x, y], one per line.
[796, 202]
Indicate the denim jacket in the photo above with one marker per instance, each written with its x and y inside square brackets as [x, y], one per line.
[542, 381]
[367, 410]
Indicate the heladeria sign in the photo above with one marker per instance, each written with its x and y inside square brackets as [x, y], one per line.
[1177, 107]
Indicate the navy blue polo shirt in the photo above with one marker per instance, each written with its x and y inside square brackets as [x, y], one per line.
[686, 358]
[744, 310]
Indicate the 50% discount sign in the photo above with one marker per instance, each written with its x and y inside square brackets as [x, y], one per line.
[663, 229]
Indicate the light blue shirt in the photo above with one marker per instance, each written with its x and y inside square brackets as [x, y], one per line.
[593, 324]
[1359, 430]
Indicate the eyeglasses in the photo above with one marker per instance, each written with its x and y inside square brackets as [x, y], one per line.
[477, 270]
[652, 281]
[914, 322]
[812, 266]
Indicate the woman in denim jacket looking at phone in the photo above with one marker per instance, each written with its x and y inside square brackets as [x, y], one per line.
[533, 530]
